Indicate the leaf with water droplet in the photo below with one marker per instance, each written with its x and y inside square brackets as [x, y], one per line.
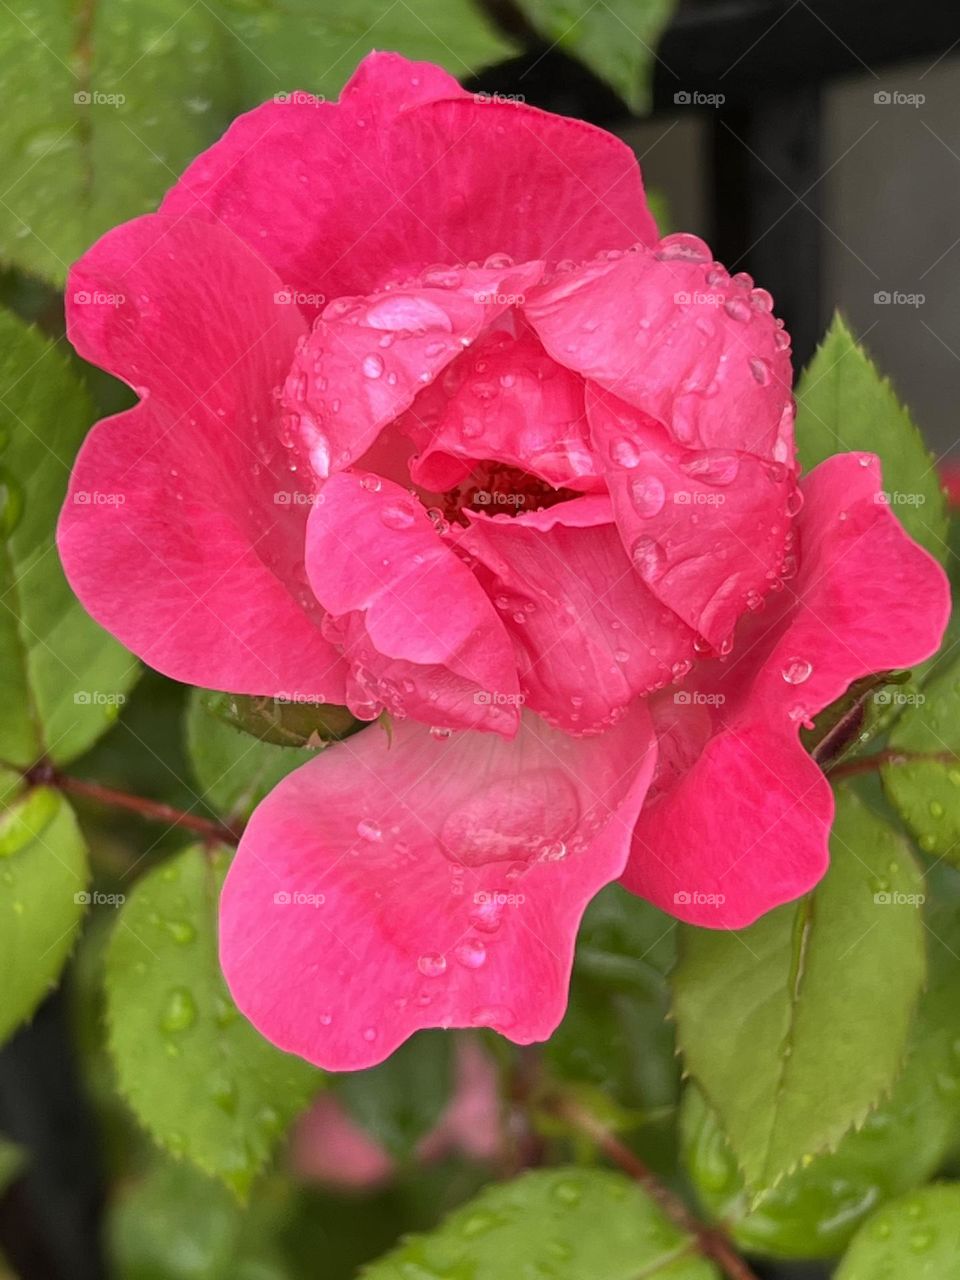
[43, 859]
[844, 403]
[795, 1027]
[60, 673]
[903, 1142]
[566, 1223]
[916, 1238]
[926, 792]
[231, 1094]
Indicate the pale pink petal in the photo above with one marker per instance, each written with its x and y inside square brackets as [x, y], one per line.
[420, 634]
[411, 882]
[183, 528]
[739, 814]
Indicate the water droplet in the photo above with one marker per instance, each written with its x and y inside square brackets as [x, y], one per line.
[760, 370]
[372, 366]
[713, 468]
[624, 453]
[398, 515]
[432, 965]
[367, 829]
[472, 954]
[180, 1011]
[512, 818]
[648, 557]
[796, 670]
[648, 496]
[737, 309]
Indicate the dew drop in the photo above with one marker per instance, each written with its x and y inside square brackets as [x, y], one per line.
[432, 964]
[648, 496]
[796, 670]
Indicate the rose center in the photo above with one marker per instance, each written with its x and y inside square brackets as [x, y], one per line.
[495, 488]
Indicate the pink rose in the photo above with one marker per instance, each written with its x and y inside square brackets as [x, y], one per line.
[431, 421]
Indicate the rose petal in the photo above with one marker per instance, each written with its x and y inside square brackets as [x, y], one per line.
[740, 814]
[183, 528]
[382, 888]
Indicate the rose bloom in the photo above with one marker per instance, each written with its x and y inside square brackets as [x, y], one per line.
[432, 422]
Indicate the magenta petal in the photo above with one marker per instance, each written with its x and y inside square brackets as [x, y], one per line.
[739, 814]
[419, 632]
[669, 332]
[589, 636]
[503, 401]
[183, 528]
[367, 358]
[429, 883]
[706, 529]
[432, 175]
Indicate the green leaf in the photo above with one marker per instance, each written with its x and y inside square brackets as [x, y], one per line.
[130, 96]
[617, 39]
[63, 678]
[200, 1079]
[843, 404]
[918, 1238]
[926, 793]
[282, 722]
[796, 1027]
[43, 878]
[234, 770]
[172, 1224]
[903, 1143]
[570, 1224]
[400, 1101]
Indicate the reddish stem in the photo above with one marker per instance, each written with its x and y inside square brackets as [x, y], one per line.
[150, 810]
[868, 764]
[710, 1242]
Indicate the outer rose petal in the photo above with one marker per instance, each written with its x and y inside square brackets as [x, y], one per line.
[420, 634]
[442, 899]
[505, 400]
[172, 533]
[589, 636]
[741, 814]
[669, 332]
[706, 529]
[367, 358]
[432, 174]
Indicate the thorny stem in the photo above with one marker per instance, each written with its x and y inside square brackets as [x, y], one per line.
[150, 810]
[711, 1242]
[868, 764]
